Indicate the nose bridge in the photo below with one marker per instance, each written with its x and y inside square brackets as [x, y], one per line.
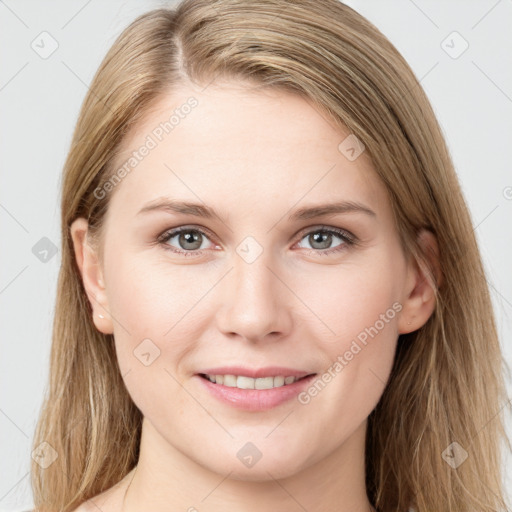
[254, 302]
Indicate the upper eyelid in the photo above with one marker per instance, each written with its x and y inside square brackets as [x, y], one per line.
[322, 227]
[171, 233]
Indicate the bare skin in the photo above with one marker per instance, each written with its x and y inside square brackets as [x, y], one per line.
[255, 157]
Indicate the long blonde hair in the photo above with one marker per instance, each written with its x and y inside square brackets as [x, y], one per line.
[447, 383]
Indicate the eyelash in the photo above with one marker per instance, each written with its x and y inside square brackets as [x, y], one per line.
[348, 238]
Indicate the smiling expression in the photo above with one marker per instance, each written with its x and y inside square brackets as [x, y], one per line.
[287, 252]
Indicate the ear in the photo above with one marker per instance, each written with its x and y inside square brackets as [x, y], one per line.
[92, 276]
[420, 301]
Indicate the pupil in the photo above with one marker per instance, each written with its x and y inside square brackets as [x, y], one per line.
[190, 237]
[324, 240]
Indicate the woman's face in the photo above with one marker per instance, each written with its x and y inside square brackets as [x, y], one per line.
[262, 282]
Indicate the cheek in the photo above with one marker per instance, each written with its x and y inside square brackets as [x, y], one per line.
[150, 316]
[157, 322]
[143, 309]
[358, 332]
[343, 302]
[150, 296]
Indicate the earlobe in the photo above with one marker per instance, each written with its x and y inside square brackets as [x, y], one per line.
[92, 276]
[422, 282]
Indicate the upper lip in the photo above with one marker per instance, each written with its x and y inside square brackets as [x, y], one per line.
[255, 373]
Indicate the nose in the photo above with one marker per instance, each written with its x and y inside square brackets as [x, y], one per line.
[256, 302]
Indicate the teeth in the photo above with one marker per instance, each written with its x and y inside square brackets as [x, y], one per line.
[242, 382]
[229, 380]
[279, 381]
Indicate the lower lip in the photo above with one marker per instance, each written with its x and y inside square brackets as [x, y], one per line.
[255, 399]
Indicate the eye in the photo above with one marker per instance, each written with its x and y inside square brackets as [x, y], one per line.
[321, 240]
[189, 240]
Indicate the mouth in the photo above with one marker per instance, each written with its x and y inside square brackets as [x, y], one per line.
[261, 383]
[244, 382]
[253, 394]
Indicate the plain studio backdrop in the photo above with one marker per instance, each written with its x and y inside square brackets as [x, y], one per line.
[459, 50]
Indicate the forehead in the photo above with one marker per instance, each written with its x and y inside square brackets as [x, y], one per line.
[241, 145]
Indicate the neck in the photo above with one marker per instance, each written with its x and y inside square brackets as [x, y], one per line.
[165, 477]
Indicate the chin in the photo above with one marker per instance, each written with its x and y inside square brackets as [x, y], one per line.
[264, 470]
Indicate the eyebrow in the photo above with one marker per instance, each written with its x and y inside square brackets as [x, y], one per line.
[309, 212]
[304, 213]
[184, 207]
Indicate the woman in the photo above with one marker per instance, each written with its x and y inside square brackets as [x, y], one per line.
[327, 340]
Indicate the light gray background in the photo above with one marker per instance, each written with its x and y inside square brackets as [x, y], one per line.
[39, 102]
